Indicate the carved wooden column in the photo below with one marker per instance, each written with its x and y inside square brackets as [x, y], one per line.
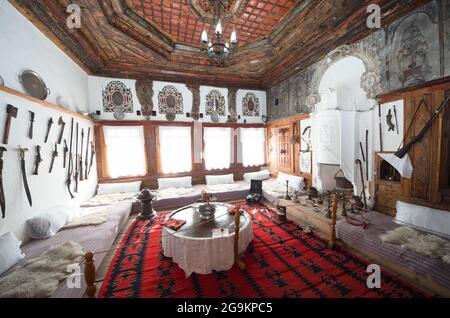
[195, 111]
[144, 92]
[232, 105]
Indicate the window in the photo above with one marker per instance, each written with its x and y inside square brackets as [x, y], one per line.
[217, 148]
[253, 142]
[175, 149]
[125, 151]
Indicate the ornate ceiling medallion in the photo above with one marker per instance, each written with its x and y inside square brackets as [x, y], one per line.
[205, 9]
[117, 97]
[170, 101]
[215, 103]
[250, 105]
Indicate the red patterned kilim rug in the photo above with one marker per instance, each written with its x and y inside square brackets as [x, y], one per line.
[282, 261]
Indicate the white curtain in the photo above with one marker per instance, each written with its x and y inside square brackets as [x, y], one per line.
[175, 149]
[125, 150]
[217, 147]
[253, 142]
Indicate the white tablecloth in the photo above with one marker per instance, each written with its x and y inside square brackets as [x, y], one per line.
[203, 255]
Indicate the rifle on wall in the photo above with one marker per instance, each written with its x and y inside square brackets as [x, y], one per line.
[76, 174]
[70, 164]
[86, 162]
[81, 156]
[404, 150]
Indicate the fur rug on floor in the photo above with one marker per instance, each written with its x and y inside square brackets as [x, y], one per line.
[39, 277]
[91, 216]
[425, 244]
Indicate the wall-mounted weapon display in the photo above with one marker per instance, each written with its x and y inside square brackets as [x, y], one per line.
[66, 149]
[404, 150]
[396, 120]
[70, 163]
[92, 157]
[389, 122]
[22, 152]
[62, 123]
[30, 130]
[54, 155]
[358, 162]
[11, 112]
[86, 163]
[81, 156]
[2, 192]
[37, 160]
[76, 174]
[367, 154]
[49, 126]
[380, 130]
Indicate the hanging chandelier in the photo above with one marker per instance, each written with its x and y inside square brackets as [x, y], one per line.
[217, 49]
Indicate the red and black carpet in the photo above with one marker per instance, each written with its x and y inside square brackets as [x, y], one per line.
[282, 261]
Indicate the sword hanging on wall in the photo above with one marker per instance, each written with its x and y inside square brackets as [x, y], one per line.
[70, 163]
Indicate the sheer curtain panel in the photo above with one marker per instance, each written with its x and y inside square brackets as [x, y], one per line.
[217, 147]
[175, 149]
[125, 152]
[253, 142]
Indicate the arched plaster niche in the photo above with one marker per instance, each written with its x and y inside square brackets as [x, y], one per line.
[370, 80]
[340, 88]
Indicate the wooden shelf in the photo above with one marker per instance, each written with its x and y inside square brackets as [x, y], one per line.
[44, 103]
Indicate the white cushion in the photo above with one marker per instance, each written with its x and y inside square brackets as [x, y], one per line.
[124, 187]
[10, 251]
[181, 182]
[46, 224]
[220, 179]
[428, 218]
[295, 182]
[258, 175]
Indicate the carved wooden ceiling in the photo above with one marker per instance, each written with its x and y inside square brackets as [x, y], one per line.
[159, 39]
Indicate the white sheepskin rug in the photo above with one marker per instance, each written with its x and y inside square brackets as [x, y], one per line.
[173, 192]
[111, 198]
[39, 277]
[425, 244]
[91, 216]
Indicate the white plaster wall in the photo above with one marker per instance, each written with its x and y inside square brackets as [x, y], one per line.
[96, 85]
[24, 47]
[47, 189]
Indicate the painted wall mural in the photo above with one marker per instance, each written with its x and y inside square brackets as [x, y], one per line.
[250, 105]
[402, 54]
[117, 98]
[170, 101]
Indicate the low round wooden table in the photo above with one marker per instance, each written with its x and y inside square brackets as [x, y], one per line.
[193, 246]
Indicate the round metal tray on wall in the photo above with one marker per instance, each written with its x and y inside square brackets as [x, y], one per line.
[33, 84]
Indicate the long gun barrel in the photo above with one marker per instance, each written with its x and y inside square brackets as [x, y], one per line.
[404, 150]
[70, 165]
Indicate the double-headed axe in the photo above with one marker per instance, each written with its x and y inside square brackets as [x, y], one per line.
[12, 113]
[62, 123]
[49, 126]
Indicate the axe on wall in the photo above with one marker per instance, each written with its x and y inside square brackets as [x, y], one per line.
[62, 123]
[11, 113]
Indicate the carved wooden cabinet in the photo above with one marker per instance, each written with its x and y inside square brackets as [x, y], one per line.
[429, 184]
[388, 187]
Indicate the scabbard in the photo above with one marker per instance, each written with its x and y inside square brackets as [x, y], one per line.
[2, 193]
[25, 182]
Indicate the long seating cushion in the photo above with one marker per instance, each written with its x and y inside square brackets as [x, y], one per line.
[428, 218]
[182, 182]
[258, 175]
[10, 252]
[125, 187]
[296, 182]
[219, 179]
[46, 224]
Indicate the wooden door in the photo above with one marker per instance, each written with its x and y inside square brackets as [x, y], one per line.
[284, 149]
